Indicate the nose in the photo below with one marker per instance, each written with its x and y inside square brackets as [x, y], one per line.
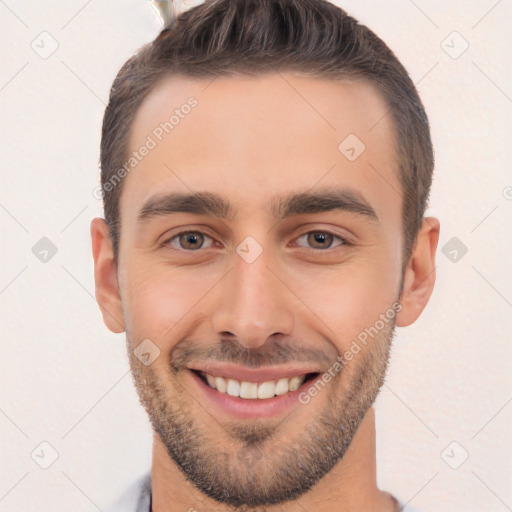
[254, 303]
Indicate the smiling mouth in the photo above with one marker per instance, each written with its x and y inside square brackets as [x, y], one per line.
[254, 390]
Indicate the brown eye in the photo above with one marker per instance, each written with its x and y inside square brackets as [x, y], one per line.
[189, 241]
[321, 239]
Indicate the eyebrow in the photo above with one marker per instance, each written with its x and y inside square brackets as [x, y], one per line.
[207, 203]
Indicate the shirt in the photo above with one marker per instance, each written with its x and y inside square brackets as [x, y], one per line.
[137, 498]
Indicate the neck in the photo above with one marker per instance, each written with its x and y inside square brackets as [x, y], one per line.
[350, 485]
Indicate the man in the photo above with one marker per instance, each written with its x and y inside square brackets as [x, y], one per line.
[266, 167]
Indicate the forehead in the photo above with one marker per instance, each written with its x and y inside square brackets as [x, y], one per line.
[248, 138]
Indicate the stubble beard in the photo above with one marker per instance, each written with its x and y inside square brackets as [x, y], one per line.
[252, 465]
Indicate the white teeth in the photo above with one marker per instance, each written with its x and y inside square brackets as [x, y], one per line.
[266, 390]
[295, 383]
[220, 384]
[211, 380]
[253, 390]
[248, 390]
[233, 387]
[282, 386]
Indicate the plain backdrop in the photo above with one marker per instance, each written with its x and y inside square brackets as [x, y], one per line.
[444, 416]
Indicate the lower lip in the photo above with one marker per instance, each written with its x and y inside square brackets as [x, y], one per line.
[244, 408]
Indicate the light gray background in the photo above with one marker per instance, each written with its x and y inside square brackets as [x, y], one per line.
[65, 378]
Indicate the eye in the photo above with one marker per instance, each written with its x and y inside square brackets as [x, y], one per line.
[194, 240]
[189, 241]
[321, 239]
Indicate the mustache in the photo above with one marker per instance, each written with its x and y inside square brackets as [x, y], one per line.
[228, 350]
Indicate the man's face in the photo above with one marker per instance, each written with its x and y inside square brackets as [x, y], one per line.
[270, 289]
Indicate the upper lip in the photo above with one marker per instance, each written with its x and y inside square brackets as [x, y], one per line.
[243, 373]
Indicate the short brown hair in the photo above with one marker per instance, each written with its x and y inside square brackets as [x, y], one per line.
[253, 37]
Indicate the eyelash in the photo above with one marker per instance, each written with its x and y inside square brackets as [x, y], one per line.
[196, 232]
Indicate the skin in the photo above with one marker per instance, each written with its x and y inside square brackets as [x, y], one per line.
[251, 140]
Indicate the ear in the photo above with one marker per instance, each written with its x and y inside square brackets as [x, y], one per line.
[420, 274]
[105, 276]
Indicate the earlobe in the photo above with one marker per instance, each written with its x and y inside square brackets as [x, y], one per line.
[420, 274]
[105, 276]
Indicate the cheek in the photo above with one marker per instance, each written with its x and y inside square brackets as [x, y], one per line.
[352, 297]
[157, 300]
